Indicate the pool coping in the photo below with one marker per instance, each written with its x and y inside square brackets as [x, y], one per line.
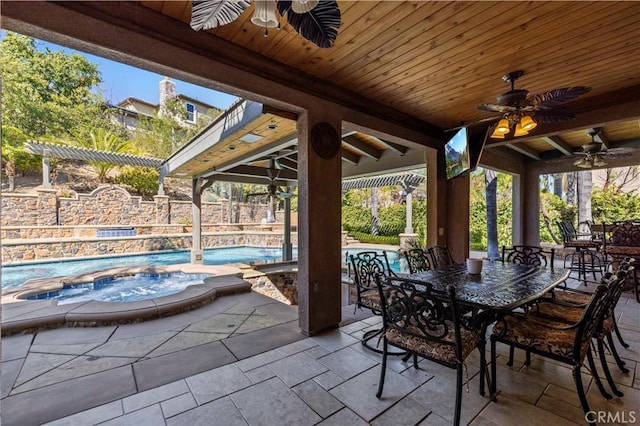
[21, 315]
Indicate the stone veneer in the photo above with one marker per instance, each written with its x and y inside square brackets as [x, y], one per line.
[112, 205]
[46, 227]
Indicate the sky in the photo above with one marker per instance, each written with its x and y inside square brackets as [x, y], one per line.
[120, 81]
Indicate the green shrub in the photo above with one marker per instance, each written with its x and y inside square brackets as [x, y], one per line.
[376, 239]
[143, 179]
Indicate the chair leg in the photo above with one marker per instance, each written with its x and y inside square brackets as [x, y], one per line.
[415, 361]
[511, 351]
[596, 377]
[527, 360]
[383, 368]
[483, 366]
[615, 328]
[607, 372]
[614, 352]
[371, 334]
[577, 378]
[492, 382]
[458, 407]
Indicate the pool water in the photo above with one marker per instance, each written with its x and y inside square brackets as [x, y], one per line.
[14, 276]
[126, 289]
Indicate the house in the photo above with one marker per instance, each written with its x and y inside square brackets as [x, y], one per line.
[129, 111]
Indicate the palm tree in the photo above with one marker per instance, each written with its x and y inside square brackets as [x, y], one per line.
[491, 182]
[103, 140]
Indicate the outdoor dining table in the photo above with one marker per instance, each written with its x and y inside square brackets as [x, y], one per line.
[500, 287]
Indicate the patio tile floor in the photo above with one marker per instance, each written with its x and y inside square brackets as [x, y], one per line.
[260, 370]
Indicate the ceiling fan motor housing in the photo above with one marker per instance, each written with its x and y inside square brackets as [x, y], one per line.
[513, 97]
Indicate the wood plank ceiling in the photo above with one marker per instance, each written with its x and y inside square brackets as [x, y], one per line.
[438, 60]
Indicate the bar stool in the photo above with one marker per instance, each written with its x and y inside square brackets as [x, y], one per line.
[587, 257]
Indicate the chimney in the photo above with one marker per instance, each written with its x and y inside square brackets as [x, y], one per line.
[167, 91]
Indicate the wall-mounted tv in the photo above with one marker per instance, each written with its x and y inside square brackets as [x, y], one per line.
[462, 152]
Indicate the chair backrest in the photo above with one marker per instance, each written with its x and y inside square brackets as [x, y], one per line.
[440, 257]
[617, 287]
[418, 260]
[414, 308]
[366, 266]
[528, 255]
[592, 317]
[567, 230]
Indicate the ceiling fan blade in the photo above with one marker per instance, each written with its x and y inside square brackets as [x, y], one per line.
[497, 108]
[556, 115]
[556, 97]
[319, 25]
[207, 14]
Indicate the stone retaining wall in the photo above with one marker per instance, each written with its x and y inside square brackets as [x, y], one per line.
[53, 249]
[112, 205]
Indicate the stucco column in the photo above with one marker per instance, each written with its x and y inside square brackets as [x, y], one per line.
[409, 205]
[319, 213]
[196, 238]
[530, 205]
[458, 217]
[437, 227]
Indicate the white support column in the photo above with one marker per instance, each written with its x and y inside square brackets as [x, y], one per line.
[409, 228]
[46, 170]
[196, 239]
[287, 249]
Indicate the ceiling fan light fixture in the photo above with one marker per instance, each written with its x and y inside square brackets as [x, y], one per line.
[264, 14]
[598, 162]
[527, 123]
[503, 127]
[520, 131]
[303, 6]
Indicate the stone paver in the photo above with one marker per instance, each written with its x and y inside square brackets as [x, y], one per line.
[277, 376]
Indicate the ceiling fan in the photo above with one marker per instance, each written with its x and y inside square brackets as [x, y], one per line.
[594, 153]
[316, 20]
[524, 112]
[273, 191]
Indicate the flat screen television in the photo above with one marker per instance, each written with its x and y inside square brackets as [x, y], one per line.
[462, 152]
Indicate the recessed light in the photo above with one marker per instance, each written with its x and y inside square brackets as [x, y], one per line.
[231, 148]
[272, 127]
[250, 138]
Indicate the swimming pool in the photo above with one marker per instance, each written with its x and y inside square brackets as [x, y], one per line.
[16, 275]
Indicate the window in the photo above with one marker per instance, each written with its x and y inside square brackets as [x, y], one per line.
[191, 113]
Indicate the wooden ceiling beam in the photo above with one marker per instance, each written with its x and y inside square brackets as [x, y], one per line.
[350, 157]
[253, 171]
[362, 147]
[558, 143]
[599, 137]
[525, 150]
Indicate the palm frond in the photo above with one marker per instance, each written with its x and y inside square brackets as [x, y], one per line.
[319, 26]
[556, 97]
[207, 14]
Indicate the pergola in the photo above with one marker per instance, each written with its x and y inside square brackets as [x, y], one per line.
[398, 75]
[48, 151]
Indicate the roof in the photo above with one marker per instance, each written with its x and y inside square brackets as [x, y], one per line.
[75, 153]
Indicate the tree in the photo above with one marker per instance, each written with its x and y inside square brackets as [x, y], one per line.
[584, 184]
[491, 183]
[47, 93]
